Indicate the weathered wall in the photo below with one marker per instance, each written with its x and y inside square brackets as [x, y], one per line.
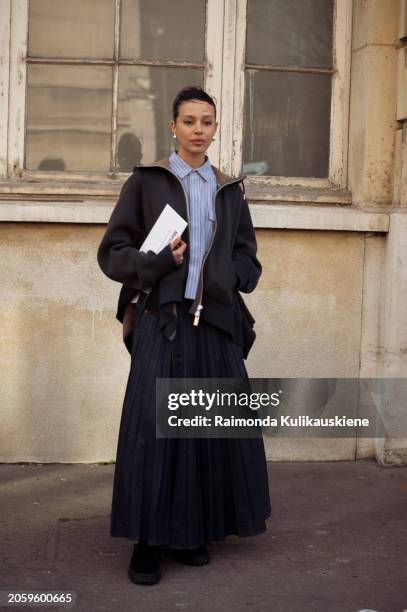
[373, 101]
[64, 367]
[329, 303]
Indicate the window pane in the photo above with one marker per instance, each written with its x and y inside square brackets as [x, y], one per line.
[162, 30]
[69, 118]
[74, 28]
[289, 32]
[145, 111]
[286, 129]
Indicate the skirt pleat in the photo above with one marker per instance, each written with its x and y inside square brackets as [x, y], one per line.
[183, 492]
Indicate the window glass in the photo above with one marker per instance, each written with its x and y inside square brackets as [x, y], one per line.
[146, 95]
[162, 30]
[71, 28]
[68, 118]
[289, 32]
[287, 123]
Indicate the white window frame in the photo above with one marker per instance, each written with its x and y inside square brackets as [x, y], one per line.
[233, 98]
[224, 79]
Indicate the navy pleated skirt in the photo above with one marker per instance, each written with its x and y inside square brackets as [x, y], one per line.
[189, 492]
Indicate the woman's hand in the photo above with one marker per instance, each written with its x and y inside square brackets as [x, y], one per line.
[178, 247]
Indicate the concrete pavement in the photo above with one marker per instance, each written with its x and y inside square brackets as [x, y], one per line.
[336, 542]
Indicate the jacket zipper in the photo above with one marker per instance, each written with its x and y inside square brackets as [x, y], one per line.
[197, 304]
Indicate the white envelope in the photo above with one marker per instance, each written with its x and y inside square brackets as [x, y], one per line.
[164, 230]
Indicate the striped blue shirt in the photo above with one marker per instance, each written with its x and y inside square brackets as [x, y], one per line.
[200, 185]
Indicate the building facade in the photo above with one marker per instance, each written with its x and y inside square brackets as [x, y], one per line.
[312, 107]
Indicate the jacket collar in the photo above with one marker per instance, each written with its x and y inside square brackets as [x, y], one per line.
[181, 168]
[221, 177]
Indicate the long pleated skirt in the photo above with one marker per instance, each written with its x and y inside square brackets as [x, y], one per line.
[183, 492]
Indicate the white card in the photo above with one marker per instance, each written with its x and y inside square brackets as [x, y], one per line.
[164, 230]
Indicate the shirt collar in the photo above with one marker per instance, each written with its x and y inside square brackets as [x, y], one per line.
[182, 168]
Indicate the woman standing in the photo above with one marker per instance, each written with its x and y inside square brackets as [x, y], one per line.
[179, 495]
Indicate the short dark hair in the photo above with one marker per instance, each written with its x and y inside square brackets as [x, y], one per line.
[191, 92]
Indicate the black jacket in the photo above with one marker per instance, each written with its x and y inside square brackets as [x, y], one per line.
[230, 264]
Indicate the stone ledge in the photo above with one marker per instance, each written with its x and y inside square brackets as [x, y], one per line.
[271, 216]
[311, 217]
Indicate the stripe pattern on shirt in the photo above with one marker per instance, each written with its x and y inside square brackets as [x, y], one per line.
[200, 185]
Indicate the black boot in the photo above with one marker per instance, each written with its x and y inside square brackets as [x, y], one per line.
[197, 556]
[145, 564]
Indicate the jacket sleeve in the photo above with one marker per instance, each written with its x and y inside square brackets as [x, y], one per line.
[117, 256]
[247, 266]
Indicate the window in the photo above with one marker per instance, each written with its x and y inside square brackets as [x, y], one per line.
[92, 83]
[99, 103]
[291, 91]
[288, 72]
